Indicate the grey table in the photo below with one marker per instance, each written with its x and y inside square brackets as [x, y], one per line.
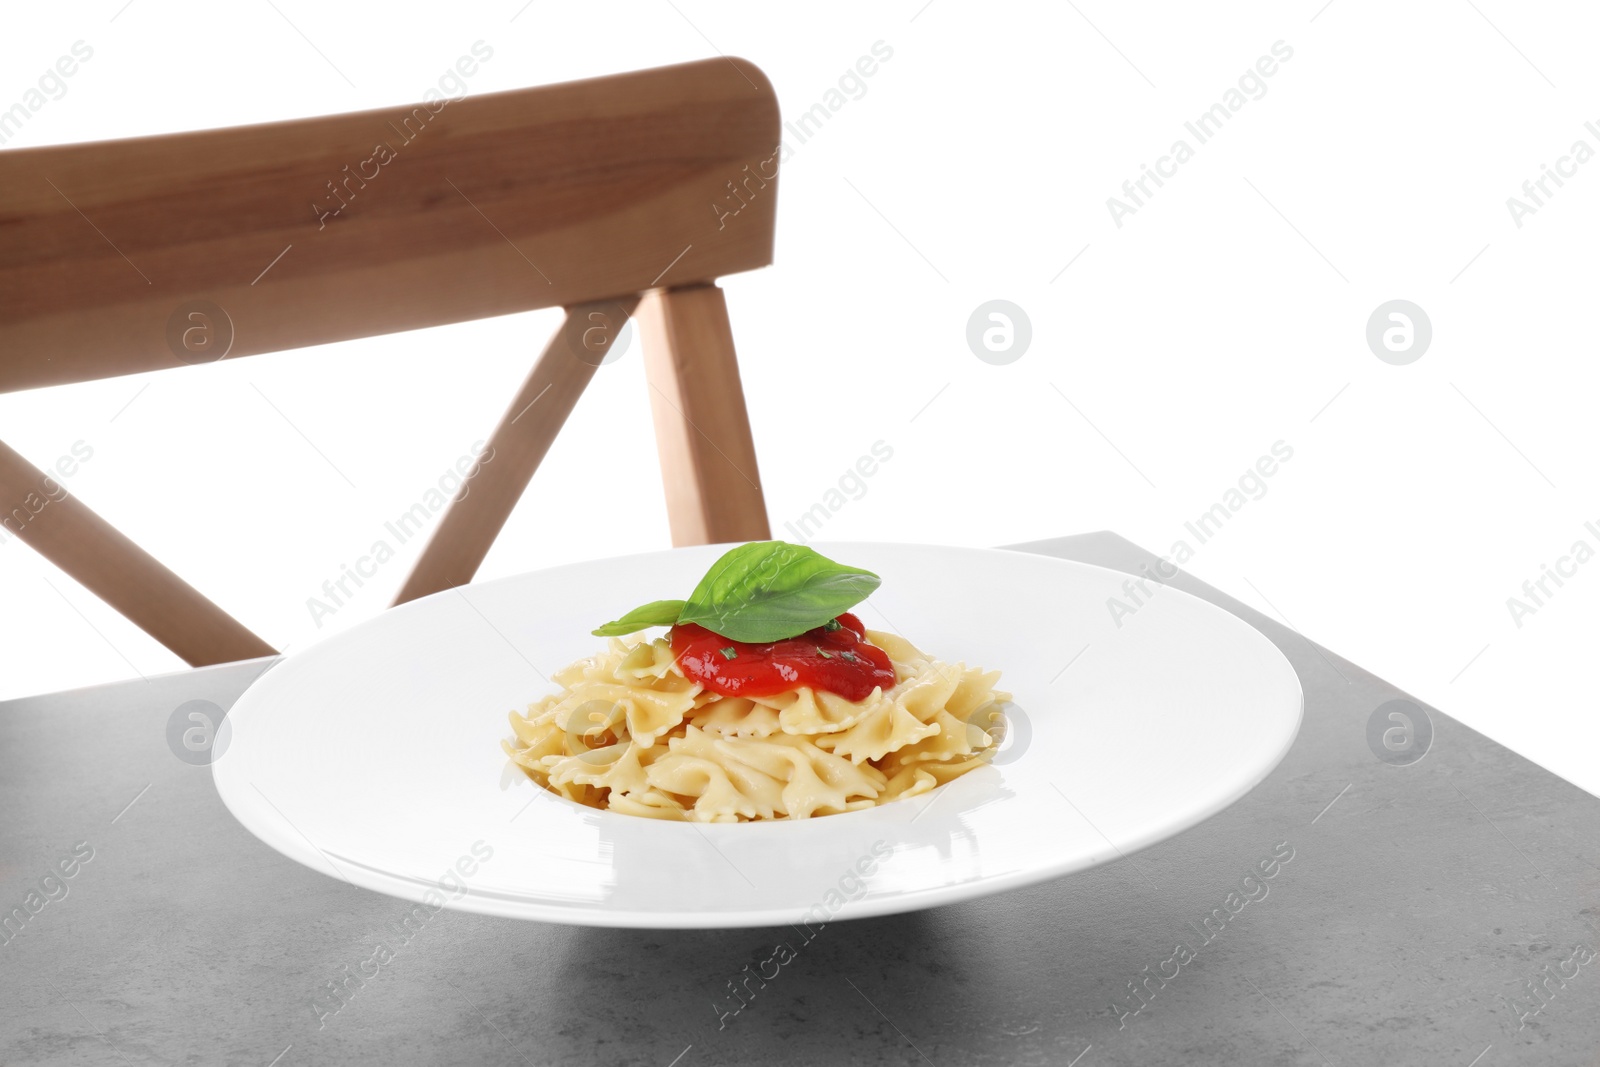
[1439, 912]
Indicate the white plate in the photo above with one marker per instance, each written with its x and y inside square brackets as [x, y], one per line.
[375, 755]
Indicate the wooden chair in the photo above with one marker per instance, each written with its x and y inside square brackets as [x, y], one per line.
[624, 193]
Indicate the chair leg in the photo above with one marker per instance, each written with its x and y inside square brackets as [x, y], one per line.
[708, 460]
[65, 531]
[515, 449]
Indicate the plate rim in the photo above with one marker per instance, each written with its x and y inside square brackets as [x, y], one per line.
[407, 887]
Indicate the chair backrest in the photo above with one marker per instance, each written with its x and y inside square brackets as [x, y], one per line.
[604, 196]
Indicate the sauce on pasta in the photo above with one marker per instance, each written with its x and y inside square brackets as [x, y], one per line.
[835, 657]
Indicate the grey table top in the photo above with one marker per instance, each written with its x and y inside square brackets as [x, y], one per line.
[1439, 912]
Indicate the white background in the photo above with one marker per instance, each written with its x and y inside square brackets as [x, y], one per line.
[1227, 314]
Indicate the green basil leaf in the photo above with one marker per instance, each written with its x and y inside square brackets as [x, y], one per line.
[656, 613]
[771, 590]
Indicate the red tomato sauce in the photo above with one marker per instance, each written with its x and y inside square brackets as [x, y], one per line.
[835, 657]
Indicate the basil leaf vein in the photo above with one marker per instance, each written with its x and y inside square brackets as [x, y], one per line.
[772, 590]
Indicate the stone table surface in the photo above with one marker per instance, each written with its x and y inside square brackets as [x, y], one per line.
[1440, 911]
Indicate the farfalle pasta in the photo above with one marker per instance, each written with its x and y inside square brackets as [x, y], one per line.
[631, 731]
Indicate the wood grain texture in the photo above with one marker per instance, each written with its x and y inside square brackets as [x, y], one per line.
[491, 204]
[514, 451]
[69, 534]
[708, 459]
[151, 253]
